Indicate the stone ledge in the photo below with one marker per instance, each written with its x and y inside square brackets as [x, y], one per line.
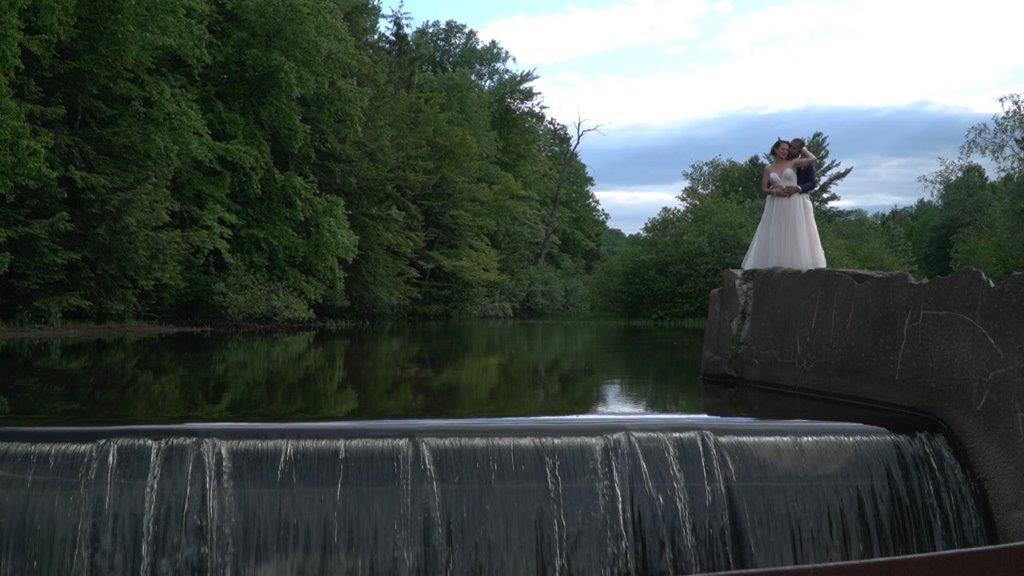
[950, 347]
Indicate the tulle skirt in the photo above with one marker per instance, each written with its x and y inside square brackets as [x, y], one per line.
[787, 236]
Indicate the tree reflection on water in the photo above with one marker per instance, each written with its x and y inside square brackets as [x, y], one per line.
[430, 370]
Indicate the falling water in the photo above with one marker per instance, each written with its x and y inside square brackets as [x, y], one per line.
[608, 502]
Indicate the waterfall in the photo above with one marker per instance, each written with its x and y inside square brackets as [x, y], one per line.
[583, 501]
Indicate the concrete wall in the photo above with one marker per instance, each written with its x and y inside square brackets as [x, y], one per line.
[949, 347]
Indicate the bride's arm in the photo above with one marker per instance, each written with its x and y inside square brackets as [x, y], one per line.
[805, 159]
[765, 189]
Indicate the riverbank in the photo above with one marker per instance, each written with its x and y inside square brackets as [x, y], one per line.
[92, 331]
[117, 330]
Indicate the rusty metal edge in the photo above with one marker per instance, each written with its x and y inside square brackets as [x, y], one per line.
[997, 560]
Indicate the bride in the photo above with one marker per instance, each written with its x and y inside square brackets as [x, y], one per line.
[787, 235]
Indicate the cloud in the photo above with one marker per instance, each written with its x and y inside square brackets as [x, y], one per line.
[627, 157]
[801, 53]
[630, 207]
[881, 182]
[639, 169]
[576, 32]
[894, 84]
[877, 183]
[663, 195]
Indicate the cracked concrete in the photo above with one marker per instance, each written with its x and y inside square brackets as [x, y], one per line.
[949, 347]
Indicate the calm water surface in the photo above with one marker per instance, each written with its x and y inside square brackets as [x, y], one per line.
[437, 370]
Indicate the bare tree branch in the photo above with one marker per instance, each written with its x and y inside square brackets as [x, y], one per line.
[580, 129]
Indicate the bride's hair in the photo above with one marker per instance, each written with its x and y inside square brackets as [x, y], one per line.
[775, 146]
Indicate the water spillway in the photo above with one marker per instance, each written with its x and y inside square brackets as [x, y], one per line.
[530, 496]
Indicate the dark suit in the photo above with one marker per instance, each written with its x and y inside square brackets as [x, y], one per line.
[807, 178]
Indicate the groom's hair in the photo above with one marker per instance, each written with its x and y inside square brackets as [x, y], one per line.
[798, 142]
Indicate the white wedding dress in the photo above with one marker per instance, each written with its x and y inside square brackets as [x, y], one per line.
[787, 235]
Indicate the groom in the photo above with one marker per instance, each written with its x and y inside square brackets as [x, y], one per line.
[806, 177]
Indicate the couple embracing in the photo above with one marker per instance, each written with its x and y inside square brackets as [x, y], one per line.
[787, 235]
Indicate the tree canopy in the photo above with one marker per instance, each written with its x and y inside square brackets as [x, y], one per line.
[195, 160]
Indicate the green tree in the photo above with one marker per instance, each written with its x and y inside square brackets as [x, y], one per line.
[856, 239]
[829, 171]
[971, 220]
[36, 263]
[197, 160]
[1001, 139]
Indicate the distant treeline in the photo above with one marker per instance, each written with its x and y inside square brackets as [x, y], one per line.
[281, 161]
[971, 219]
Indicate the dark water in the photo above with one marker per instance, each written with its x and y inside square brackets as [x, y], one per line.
[400, 371]
[393, 480]
[677, 498]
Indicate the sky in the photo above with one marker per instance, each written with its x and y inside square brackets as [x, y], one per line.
[894, 84]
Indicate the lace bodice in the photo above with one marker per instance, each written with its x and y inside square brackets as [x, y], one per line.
[788, 178]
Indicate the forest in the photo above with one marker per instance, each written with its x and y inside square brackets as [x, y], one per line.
[248, 161]
[209, 161]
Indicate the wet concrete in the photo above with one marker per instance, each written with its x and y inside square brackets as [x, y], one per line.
[951, 348]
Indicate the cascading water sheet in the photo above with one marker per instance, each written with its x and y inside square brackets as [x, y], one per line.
[525, 502]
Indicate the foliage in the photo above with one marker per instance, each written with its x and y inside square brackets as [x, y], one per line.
[667, 270]
[1002, 139]
[36, 259]
[856, 239]
[971, 219]
[829, 171]
[194, 160]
